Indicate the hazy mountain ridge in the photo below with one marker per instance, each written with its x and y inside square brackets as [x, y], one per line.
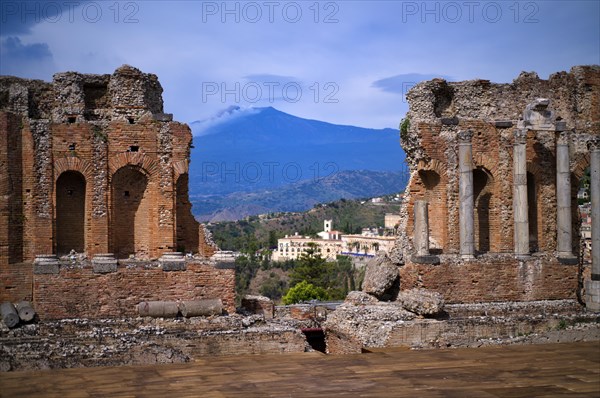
[300, 196]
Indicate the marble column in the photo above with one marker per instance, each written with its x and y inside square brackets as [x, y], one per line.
[465, 198]
[421, 235]
[564, 238]
[592, 286]
[520, 209]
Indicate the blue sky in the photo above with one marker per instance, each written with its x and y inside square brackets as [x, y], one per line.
[346, 62]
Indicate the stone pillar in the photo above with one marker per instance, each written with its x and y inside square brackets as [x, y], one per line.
[421, 237]
[466, 200]
[564, 238]
[592, 286]
[520, 210]
[421, 234]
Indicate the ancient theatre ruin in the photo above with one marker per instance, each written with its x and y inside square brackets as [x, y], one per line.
[91, 166]
[492, 210]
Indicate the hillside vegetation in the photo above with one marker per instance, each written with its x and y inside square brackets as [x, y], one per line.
[261, 232]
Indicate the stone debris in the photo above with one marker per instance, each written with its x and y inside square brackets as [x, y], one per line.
[142, 341]
[258, 305]
[421, 301]
[368, 324]
[381, 277]
[360, 298]
[354, 328]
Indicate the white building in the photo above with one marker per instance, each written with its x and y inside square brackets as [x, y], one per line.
[332, 243]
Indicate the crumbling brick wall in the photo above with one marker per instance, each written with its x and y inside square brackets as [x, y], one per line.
[91, 163]
[438, 111]
[77, 292]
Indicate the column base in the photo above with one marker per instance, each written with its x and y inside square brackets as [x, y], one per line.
[592, 296]
[567, 259]
[426, 259]
[467, 257]
[523, 257]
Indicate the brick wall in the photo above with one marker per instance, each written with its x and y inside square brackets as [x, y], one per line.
[78, 292]
[187, 238]
[16, 281]
[494, 278]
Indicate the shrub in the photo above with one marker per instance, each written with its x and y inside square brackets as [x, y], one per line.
[304, 291]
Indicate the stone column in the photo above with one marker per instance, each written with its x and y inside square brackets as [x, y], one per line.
[564, 236]
[592, 286]
[465, 199]
[521, 236]
[421, 234]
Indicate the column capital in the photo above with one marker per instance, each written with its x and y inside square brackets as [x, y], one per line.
[465, 136]
[563, 138]
[593, 144]
[520, 136]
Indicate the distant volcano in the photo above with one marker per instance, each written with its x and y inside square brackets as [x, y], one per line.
[263, 148]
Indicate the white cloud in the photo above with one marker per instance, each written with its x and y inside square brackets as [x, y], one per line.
[187, 44]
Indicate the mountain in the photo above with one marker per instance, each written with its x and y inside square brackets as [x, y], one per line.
[259, 160]
[263, 148]
[299, 196]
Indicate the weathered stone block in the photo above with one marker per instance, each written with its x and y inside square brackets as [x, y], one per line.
[428, 259]
[360, 298]
[104, 263]
[259, 305]
[503, 123]
[449, 121]
[46, 264]
[380, 276]
[172, 261]
[421, 301]
[163, 117]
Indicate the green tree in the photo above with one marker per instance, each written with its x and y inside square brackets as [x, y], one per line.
[304, 291]
[245, 269]
[272, 239]
[310, 267]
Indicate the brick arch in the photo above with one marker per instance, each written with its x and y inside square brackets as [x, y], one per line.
[131, 208]
[73, 163]
[486, 162]
[70, 213]
[433, 165]
[535, 169]
[430, 184]
[581, 162]
[180, 167]
[136, 159]
[86, 169]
